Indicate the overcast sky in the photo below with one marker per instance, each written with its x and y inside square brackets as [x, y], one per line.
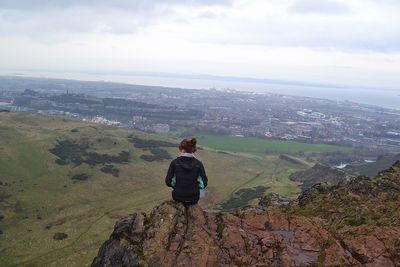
[355, 42]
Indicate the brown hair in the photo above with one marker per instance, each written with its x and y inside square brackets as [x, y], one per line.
[189, 145]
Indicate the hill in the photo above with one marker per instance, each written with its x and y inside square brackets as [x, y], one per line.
[373, 168]
[356, 223]
[63, 183]
[319, 173]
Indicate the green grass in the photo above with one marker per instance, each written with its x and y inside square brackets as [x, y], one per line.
[87, 210]
[177, 133]
[260, 145]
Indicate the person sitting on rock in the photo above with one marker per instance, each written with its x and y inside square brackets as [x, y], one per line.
[186, 174]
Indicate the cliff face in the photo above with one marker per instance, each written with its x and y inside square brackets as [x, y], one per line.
[291, 235]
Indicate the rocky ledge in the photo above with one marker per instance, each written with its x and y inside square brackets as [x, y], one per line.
[176, 235]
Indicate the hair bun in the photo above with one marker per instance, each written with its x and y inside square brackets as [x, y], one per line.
[189, 145]
[193, 141]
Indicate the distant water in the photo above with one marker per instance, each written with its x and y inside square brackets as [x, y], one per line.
[378, 97]
[341, 165]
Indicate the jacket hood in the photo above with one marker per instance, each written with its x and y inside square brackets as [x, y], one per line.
[188, 163]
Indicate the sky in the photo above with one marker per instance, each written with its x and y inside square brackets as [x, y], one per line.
[347, 42]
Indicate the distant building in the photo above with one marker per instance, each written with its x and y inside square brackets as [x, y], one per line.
[102, 120]
[311, 114]
[161, 128]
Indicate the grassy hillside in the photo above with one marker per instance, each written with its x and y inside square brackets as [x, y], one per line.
[260, 145]
[64, 183]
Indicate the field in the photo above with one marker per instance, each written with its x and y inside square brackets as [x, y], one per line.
[259, 145]
[64, 183]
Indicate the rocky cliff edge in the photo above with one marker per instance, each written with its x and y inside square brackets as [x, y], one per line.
[291, 235]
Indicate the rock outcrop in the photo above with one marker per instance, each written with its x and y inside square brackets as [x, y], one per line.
[288, 235]
[319, 173]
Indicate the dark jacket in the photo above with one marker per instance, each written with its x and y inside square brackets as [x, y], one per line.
[184, 175]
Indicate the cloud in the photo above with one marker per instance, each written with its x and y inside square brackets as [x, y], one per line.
[44, 19]
[386, 2]
[122, 4]
[318, 7]
[326, 24]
